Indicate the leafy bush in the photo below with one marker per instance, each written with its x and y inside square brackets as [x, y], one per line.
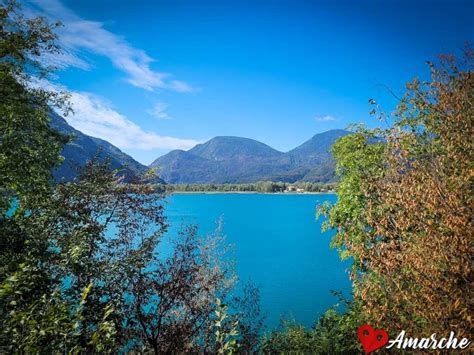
[333, 333]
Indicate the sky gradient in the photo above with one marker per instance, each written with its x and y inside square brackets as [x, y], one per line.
[159, 75]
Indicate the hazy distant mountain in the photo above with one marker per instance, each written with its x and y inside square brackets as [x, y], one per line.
[244, 160]
[83, 148]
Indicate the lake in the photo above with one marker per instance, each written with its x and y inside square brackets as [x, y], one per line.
[278, 245]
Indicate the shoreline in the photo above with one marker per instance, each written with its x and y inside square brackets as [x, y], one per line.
[250, 193]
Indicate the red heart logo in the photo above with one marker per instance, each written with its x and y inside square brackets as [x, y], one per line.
[372, 339]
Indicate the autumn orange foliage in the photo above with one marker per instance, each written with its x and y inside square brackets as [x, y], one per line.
[411, 232]
[423, 213]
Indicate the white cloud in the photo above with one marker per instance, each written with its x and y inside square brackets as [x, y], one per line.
[96, 117]
[326, 118]
[64, 60]
[79, 34]
[159, 111]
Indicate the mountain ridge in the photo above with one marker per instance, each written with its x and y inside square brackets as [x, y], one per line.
[230, 159]
[220, 148]
[83, 148]
[222, 159]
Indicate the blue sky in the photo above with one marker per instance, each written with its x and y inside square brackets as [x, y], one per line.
[153, 76]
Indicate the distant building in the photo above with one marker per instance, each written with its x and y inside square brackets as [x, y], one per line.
[293, 189]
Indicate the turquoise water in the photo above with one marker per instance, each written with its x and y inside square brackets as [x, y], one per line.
[278, 245]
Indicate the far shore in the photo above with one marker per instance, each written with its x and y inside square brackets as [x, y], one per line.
[253, 193]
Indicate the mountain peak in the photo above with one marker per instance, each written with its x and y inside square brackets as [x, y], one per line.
[331, 132]
[230, 147]
[319, 143]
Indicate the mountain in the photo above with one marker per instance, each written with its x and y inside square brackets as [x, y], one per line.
[226, 148]
[83, 148]
[220, 160]
[316, 149]
[244, 160]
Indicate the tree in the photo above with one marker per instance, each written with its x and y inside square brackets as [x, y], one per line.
[28, 150]
[249, 317]
[173, 299]
[37, 313]
[404, 210]
[28, 146]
